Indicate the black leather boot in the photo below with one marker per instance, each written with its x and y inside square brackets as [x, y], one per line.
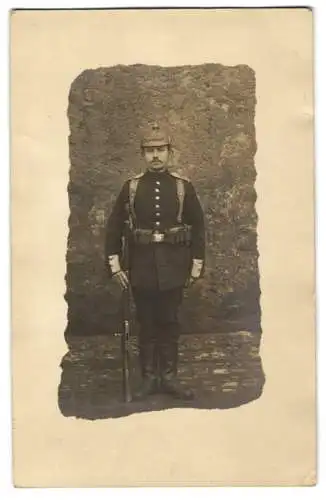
[148, 365]
[169, 384]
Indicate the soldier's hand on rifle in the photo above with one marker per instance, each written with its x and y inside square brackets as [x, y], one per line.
[191, 281]
[117, 273]
[121, 278]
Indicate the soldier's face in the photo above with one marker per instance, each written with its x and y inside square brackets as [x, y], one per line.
[156, 157]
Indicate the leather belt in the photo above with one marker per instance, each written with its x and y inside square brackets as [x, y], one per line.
[175, 235]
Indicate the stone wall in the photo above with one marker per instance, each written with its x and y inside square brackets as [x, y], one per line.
[210, 112]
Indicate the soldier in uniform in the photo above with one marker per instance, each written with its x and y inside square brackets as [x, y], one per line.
[166, 254]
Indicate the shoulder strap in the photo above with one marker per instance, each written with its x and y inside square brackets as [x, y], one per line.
[178, 176]
[180, 193]
[133, 184]
[138, 176]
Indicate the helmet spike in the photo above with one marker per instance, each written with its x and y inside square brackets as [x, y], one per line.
[156, 136]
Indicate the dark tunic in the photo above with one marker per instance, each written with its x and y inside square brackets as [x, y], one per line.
[157, 266]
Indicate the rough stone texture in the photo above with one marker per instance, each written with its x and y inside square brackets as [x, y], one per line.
[224, 370]
[210, 110]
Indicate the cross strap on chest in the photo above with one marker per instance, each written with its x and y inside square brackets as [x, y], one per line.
[133, 184]
[181, 197]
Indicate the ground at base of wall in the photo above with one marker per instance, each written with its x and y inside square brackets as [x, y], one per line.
[224, 370]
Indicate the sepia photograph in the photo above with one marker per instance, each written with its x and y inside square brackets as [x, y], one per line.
[163, 287]
[162, 257]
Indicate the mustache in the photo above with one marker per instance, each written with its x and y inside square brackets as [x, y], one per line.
[156, 161]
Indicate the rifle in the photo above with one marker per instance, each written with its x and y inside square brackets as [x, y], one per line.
[125, 339]
[126, 316]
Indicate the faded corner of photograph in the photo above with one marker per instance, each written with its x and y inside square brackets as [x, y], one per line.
[169, 154]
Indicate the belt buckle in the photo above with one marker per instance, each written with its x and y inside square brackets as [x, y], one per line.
[158, 237]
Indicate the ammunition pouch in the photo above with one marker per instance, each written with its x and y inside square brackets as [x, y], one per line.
[179, 235]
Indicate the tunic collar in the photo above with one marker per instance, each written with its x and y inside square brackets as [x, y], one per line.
[154, 174]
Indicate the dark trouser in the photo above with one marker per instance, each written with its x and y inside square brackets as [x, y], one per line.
[157, 314]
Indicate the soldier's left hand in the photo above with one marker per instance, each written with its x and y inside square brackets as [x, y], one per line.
[191, 281]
